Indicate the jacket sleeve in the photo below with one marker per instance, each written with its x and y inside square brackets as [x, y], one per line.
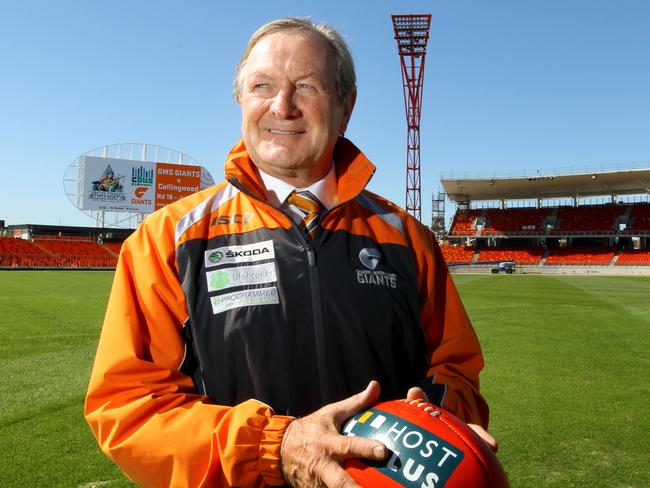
[455, 357]
[146, 414]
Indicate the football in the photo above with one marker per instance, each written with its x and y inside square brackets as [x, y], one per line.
[429, 448]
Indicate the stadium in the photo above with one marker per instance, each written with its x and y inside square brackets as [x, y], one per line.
[589, 222]
[564, 334]
[555, 310]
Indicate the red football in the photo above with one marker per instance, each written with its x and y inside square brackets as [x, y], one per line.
[429, 448]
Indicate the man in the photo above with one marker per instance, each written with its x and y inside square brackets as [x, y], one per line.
[244, 318]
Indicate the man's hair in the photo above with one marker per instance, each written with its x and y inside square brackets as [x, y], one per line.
[345, 75]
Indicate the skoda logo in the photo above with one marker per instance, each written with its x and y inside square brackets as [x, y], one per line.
[370, 257]
[215, 257]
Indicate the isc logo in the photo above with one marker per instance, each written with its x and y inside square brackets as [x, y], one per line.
[244, 218]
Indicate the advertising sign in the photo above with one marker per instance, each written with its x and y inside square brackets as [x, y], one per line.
[136, 186]
[174, 181]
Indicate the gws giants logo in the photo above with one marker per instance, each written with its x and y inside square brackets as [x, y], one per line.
[370, 258]
[139, 194]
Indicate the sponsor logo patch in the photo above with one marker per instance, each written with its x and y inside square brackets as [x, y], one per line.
[418, 457]
[244, 298]
[244, 218]
[246, 253]
[224, 278]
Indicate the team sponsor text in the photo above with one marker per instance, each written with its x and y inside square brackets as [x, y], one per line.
[427, 460]
[246, 253]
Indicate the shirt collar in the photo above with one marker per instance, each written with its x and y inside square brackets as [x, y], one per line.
[324, 189]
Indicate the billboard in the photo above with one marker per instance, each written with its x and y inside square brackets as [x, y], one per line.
[126, 185]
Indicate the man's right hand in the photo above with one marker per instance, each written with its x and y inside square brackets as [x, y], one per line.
[313, 449]
[416, 393]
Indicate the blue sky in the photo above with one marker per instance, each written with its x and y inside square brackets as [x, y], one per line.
[516, 85]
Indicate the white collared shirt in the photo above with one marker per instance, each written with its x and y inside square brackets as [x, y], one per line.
[277, 192]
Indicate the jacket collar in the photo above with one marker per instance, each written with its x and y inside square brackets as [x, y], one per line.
[353, 170]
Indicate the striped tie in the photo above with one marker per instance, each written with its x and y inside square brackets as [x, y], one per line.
[309, 205]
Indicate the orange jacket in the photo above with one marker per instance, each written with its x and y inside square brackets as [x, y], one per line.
[224, 322]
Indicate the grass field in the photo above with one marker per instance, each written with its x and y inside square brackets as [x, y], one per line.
[567, 376]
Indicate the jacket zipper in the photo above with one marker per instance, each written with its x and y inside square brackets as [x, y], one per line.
[320, 336]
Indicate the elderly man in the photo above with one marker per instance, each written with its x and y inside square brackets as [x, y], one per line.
[244, 319]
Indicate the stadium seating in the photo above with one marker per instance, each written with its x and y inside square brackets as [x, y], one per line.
[635, 257]
[521, 255]
[54, 252]
[515, 220]
[586, 225]
[15, 252]
[464, 222]
[457, 254]
[580, 256]
[639, 217]
[77, 253]
[500, 221]
[113, 247]
[597, 218]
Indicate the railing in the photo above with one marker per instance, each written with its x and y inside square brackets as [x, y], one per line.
[63, 238]
[580, 233]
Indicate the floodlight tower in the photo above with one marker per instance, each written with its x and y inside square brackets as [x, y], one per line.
[412, 34]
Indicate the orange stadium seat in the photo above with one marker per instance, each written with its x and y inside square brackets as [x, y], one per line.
[457, 254]
[464, 222]
[521, 255]
[588, 218]
[16, 252]
[57, 252]
[515, 220]
[580, 256]
[639, 217]
[634, 257]
[113, 247]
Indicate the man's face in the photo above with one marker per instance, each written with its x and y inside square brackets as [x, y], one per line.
[291, 118]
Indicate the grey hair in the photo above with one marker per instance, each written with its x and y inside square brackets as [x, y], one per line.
[345, 75]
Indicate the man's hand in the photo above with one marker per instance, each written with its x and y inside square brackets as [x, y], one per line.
[313, 449]
[417, 393]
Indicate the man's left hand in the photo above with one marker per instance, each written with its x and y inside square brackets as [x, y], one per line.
[313, 450]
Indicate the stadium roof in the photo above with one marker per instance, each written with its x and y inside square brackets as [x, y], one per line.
[591, 184]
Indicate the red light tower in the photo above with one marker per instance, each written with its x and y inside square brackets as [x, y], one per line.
[412, 34]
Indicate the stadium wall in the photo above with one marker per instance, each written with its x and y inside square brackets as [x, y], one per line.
[545, 269]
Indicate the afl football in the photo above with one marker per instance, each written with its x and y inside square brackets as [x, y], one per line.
[428, 448]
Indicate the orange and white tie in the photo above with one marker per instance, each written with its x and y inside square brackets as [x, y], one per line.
[309, 205]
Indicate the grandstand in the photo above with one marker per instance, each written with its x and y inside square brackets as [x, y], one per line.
[577, 222]
[589, 221]
[60, 247]
[33, 246]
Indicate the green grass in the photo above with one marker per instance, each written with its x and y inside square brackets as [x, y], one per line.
[567, 377]
[49, 326]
